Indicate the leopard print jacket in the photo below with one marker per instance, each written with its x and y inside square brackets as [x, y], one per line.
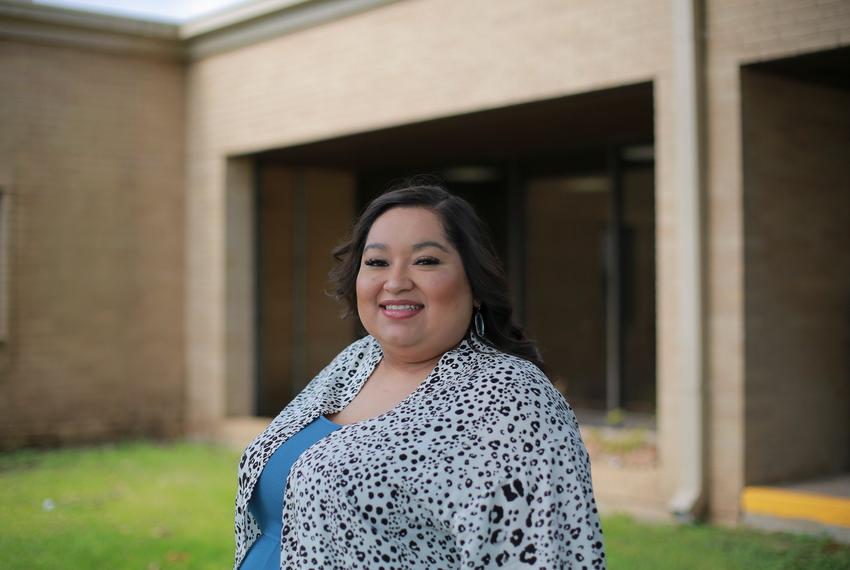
[482, 466]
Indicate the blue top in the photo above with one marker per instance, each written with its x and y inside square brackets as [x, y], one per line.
[266, 502]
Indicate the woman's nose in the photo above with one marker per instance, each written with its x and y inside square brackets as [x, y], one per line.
[398, 280]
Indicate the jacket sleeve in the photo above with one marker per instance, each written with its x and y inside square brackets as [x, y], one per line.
[526, 497]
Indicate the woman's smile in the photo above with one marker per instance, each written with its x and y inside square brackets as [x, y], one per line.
[401, 309]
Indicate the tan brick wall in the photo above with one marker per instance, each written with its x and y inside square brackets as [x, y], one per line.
[91, 152]
[241, 288]
[416, 60]
[797, 219]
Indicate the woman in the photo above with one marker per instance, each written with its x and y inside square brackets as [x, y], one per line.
[434, 442]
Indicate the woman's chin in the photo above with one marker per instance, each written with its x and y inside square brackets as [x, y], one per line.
[399, 339]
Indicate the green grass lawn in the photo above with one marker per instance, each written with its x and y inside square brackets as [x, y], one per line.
[147, 507]
[126, 506]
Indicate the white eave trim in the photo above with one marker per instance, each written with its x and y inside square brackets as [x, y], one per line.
[239, 14]
[39, 23]
[256, 22]
[221, 31]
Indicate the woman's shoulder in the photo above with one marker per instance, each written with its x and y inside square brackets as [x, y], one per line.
[510, 369]
[509, 382]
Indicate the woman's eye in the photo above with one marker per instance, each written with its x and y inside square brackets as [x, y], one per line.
[427, 261]
[375, 263]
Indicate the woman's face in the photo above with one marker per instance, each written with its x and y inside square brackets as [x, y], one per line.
[412, 292]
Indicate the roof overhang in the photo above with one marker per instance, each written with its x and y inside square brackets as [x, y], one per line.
[218, 32]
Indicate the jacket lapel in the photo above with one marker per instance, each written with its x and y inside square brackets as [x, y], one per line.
[334, 389]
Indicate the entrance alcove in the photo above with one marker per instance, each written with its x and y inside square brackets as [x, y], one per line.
[796, 131]
[567, 188]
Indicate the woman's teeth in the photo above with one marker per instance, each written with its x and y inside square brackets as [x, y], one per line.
[402, 307]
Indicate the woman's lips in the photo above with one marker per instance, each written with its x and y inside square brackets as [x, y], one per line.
[401, 310]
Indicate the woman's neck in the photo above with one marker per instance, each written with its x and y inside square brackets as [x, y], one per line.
[406, 367]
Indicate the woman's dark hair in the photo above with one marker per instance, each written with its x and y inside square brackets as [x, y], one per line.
[468, 235]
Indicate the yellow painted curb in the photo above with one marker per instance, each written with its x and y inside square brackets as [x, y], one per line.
[789, 504]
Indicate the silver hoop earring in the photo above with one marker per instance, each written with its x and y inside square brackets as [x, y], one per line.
[478, 320]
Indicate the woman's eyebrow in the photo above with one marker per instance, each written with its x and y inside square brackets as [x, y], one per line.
[416, 247]
[424, 244]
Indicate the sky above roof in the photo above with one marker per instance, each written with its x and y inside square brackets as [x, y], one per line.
[158, 10]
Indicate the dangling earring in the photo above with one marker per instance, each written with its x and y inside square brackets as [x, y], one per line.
[478, 321]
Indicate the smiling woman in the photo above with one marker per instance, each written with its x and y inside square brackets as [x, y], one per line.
[434, 442]
[459, 230]
[414, 298]
[412, 292]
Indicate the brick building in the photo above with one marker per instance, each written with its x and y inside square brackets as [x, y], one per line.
[667, 182]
